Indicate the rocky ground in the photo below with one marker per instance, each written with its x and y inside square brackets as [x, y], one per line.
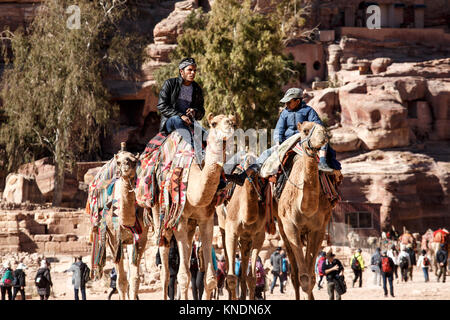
[412, 290]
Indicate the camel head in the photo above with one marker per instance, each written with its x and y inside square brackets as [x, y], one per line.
[221, 126]
[126, 164]
[316, 133]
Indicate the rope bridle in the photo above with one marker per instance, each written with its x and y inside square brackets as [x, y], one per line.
[315, 150]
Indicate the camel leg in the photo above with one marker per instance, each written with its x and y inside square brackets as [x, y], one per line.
[246, 246]
[312, 250]
[294, 266]
[164, 254]
[184, 249]
[135, 268]
[206, 234]
[293, 236]
[230, 248]
[122, 280]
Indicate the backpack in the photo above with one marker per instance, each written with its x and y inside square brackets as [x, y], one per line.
[284, 265]
[355, 264]
[341, 286]
[386, 265]
[41, 280]
[320, 265]
[426, 261]
[86, 275]
[7, 278]
[403, 262]
[237, 268]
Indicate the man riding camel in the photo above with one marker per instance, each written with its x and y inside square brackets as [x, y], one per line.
[295, 111]
[180, 103]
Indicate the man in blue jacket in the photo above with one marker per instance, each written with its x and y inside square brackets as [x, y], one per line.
[296, 110]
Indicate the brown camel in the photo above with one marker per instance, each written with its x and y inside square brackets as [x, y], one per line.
[244, 223]
[117, 232]
[199, 208]
[303, 210]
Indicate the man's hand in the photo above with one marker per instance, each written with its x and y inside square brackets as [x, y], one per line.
[190, 113]
[186, 120]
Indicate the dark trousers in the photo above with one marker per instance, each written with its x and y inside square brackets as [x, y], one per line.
[276, 275]
[44, 297]
[83, 293]
[16, 290]
[259, 292]
[7, 290]
[319, 284]
[358, 275]
[389, 277]
[396, 271]
[114, 290]
[172, 282]
[442, 271]
[197, 284]
[332, 291]
[404, 273]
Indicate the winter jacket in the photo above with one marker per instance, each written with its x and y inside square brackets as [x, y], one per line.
[360, 259]
[168, 97]
[442, 256]
[404, 254]
[113, 277]
[275, 261]
[77, 280]
[45, 272]
[19, 275]
[287, 123]
[7, 274]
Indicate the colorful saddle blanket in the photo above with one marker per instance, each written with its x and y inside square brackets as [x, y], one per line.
[163, 176]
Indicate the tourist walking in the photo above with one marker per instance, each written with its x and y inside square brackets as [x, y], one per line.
[197, 267]
[275, 261]
[375, 266]
[43, 281]
[260, 279]
[78, 269]
[285, 268]
[357, 264]
[332, 267]
[112, 282]
[6, 280]
[424, 263]
[393, 254]
[221, 273]
[318, 268]
[387, 273]
[19, 281]
[404, 263]
[237, 272]
[412, 258]
[441, 259]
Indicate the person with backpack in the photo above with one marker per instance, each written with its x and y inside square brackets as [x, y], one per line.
[319, 263]
[424, 263]
[387, 272]
[78, 269]
[275, 261]
[19, 281]
[404, 262]
[441, 260]
[332, 268]
[374, 265]
[260, 279]
[113, 282]
[43, 281]
[357, 264]
[412, 258]
[284, 268]
[237, 272]
[6, 280]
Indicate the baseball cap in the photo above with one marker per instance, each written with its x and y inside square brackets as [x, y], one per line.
[292, 93]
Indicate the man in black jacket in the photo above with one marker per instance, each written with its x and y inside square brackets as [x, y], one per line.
[441, 259]
[180, 103]
[332, 268]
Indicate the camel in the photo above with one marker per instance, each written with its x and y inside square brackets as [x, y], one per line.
[125, 215]
[303, 210]
[199, 208]
[244, 223]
